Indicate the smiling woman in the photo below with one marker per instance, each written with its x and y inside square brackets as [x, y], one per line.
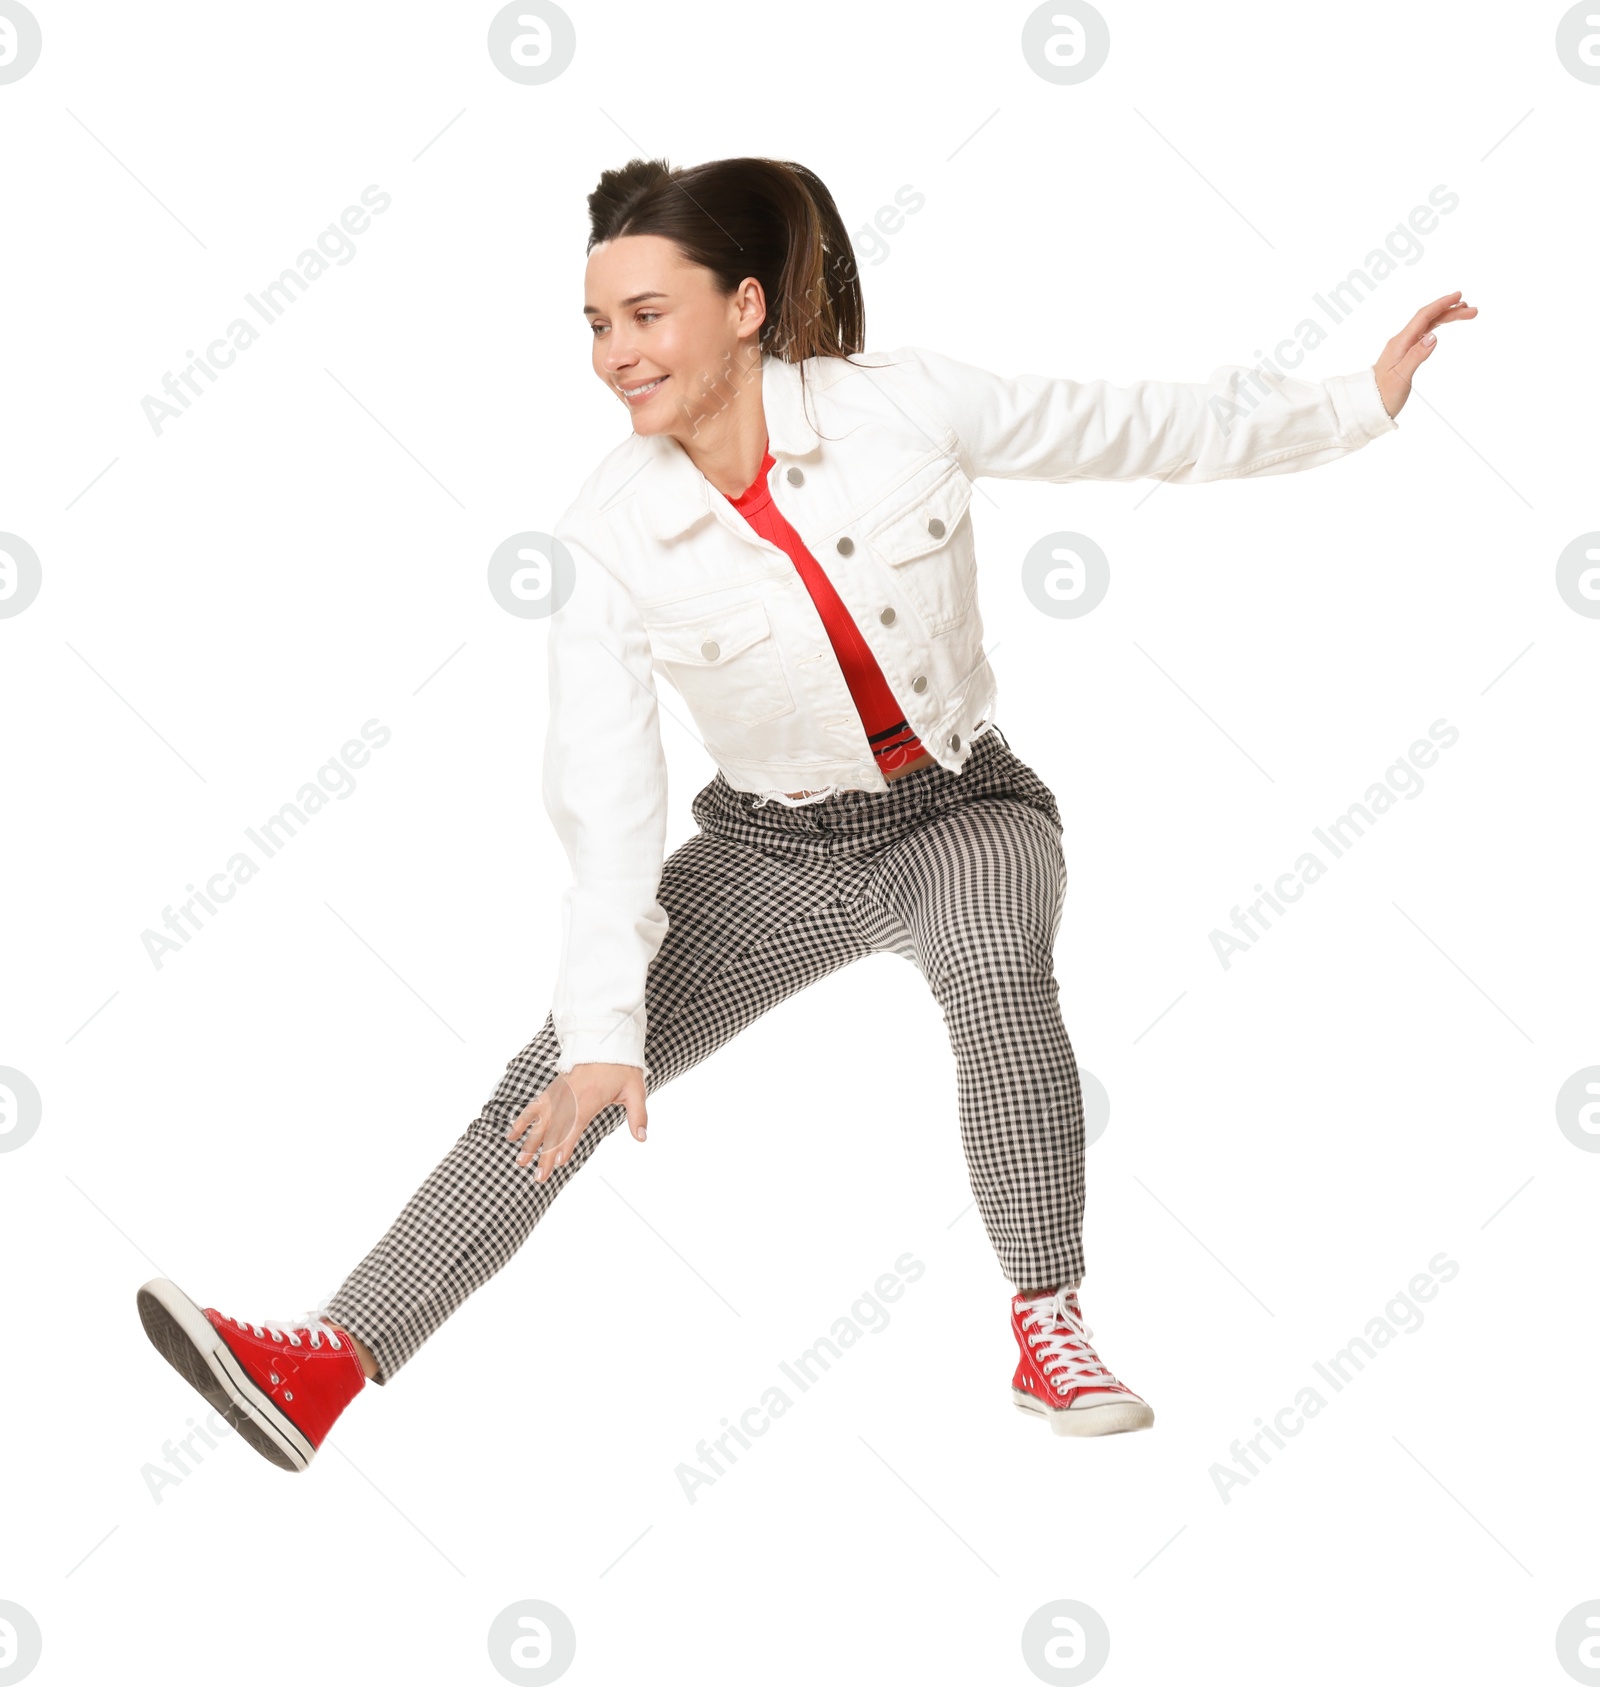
[809, 585]
[698, 282]
[747, 244]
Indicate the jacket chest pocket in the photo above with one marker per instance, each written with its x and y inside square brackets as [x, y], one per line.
[725, 663]
[929, 545]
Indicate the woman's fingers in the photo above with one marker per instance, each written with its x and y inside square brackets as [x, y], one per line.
[566, 1122]
[551, 1124]
[554, 1154]
[633, 1098]
[546, 1122]
[566, 1126]
[531, 1118]
[1415, 343]
[522, 1121]
[1419, 323]
[532, 1126]
[1451, 308]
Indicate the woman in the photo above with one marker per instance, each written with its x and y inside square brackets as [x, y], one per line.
[784, 535]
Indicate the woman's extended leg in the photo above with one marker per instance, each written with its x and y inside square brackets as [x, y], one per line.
[746, 929]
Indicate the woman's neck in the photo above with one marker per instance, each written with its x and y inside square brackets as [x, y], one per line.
[729, 444]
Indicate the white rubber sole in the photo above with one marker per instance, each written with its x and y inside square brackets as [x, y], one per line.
[1110, 1419]
[191, 1344]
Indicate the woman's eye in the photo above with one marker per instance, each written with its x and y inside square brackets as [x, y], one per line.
[651, 315]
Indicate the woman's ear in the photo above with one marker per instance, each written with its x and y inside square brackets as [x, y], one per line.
[752, 306]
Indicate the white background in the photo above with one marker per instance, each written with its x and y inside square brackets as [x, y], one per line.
[1290, 1139]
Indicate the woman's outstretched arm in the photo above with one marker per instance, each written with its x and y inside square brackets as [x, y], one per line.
[1240, 422]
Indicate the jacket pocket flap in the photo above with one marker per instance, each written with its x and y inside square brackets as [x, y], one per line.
[926, 523]
[710, 639]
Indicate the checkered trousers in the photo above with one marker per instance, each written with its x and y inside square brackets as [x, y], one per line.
[960, 873]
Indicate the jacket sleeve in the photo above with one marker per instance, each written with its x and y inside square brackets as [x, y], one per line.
[605, 791]
[1043, 427]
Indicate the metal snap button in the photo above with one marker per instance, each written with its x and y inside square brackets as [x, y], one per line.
[710, 649]
[846, 545]
[887, 617]
[796, 478]
[955, 740]
[920, 683]
[936, 527]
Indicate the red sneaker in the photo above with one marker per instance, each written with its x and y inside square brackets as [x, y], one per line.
[1060, 1376]
[280, 1385]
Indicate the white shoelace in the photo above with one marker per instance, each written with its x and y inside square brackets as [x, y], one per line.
[1061, 1330]
[313, 1323]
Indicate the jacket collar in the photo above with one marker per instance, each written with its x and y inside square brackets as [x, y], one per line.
[675, 494]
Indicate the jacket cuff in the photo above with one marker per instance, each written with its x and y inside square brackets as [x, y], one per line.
[1360, 405]
[619, 1042]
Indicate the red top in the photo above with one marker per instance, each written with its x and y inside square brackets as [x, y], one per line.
[892, 740]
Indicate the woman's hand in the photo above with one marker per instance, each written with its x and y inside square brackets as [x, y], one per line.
[559, 1114]
[1412, 346]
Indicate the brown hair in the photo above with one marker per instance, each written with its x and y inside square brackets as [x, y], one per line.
[763, 217]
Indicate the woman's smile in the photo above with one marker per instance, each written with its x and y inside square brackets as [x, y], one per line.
[637, 395]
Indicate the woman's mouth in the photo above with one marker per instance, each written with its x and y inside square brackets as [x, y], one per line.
[637, 395]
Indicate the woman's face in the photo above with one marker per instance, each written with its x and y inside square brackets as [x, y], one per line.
[667, 344]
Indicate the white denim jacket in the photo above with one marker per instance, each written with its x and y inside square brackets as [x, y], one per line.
[666, 577]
